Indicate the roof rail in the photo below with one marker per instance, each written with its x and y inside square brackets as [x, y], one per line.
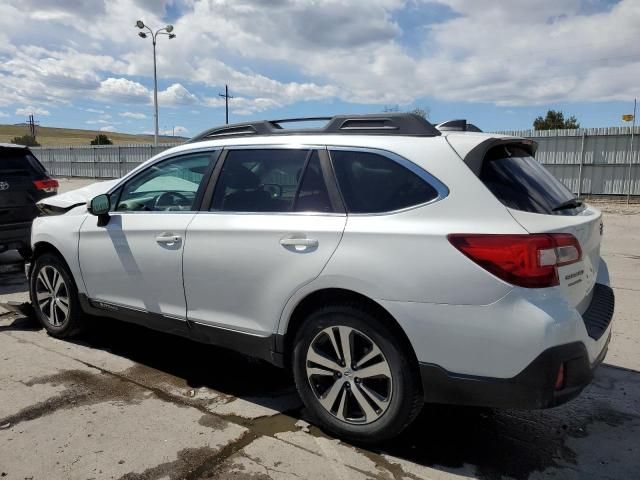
[457, 126]
[369, 124]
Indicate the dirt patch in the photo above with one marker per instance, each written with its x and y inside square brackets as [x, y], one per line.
[81, 388]
[212, 421]
[190, 462]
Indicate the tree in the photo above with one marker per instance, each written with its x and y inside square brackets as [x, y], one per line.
[101, 140]
[555, 121]
[28, 140]
[422, 112]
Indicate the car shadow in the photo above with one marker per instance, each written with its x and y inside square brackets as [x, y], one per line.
[487, 443]
[21, 324]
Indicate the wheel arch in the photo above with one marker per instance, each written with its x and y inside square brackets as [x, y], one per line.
[338, 296]
[42, 247]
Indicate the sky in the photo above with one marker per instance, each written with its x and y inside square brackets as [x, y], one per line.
[497, 63]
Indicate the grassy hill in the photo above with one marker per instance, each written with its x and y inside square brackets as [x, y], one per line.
[48, 136]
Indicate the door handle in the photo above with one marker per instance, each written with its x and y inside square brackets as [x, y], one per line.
[168, 238]
[298, 242]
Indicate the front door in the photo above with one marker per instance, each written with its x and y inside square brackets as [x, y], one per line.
[135, 260]
[271, 228]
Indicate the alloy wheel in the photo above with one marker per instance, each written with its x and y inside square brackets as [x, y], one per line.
[52, 295]
[349, 375]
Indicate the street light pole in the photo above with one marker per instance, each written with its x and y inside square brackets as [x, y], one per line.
[155, 95]
[154, 35]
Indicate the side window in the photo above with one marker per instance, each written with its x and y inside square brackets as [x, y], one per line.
[373, 183]
[271, 180]
[171, 185]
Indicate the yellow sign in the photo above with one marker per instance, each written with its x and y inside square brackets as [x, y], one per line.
[627, 118]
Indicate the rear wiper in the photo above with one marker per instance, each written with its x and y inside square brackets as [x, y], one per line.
[573, 203]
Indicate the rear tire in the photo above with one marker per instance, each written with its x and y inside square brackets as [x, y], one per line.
[54, 297]
[369, 395]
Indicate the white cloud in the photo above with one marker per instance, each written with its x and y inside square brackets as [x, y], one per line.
[135, 115]
[30, 110]
[93, 110]
[108, 128]
[176, 94]
[123, 90]
[178, 131]
[505, 53]
[2, 114]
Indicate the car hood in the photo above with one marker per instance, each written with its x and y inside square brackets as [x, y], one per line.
[79, 196]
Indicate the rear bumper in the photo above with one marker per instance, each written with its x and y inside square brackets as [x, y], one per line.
[535, 386]
[532, 388]
[15, 235]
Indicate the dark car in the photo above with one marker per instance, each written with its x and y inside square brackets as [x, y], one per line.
[23, 182]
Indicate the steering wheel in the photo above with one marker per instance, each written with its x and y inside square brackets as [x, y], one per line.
[160, 204]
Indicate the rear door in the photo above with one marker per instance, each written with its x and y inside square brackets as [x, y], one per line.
[271, 228]
[542, 204]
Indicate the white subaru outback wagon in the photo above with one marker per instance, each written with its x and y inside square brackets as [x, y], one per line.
[386, 261]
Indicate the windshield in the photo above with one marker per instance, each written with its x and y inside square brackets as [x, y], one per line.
[520, 182]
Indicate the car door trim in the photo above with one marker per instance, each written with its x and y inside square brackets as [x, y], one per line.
[242, 342]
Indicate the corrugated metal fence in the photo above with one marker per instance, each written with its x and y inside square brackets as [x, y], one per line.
[590, 161]
[100, 161]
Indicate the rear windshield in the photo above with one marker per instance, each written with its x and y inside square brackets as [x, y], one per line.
[521, 183]
[17, 161]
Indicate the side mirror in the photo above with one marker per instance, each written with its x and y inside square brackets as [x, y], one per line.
[99, 205]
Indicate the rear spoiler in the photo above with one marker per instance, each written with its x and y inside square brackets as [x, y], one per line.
[473, 154]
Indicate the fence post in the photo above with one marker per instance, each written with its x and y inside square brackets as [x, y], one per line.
[119, 163]
[71, 160]
[633, 130]
[93, 157]
[581, 164]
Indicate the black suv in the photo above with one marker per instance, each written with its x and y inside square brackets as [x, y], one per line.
[23, 182]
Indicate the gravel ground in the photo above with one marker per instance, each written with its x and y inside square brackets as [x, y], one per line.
[123, 402]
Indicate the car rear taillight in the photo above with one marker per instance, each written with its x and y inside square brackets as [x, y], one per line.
[48, 185]
[525, 260]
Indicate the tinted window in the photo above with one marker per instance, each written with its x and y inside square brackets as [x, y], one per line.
[520, 182]
[167, 186]
[270, 181]
[372, 183]
[14, 161]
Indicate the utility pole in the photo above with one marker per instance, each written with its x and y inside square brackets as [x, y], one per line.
[226, 97]
[32, 126]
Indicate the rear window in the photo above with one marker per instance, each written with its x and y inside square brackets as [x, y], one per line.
[15, 161]
[521, 183]
[372, 183]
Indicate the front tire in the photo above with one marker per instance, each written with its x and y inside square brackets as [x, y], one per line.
[54, 297]
[354, 374]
